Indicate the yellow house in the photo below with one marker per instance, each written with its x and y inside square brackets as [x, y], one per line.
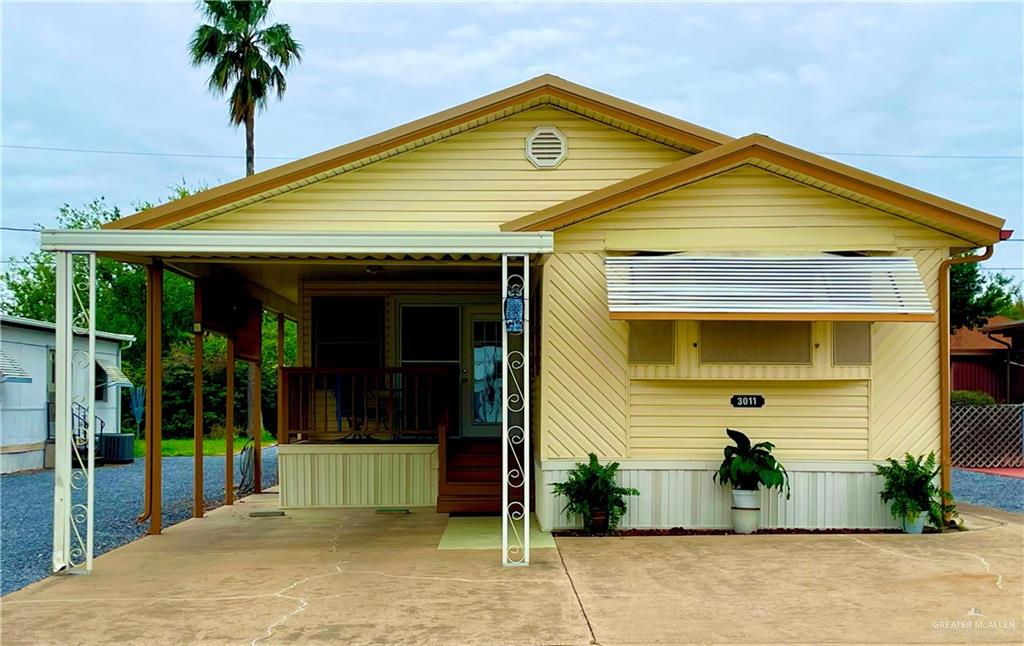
[488, 294]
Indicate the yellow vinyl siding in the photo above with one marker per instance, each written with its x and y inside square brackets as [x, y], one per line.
[583, 365]
[688, 365]
[807, 420]
[748, 209]
[353, 475]
[905, 388]
[472, 181]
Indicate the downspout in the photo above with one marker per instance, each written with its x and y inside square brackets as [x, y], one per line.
[945, 456]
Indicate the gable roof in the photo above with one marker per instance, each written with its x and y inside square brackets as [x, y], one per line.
[800, 165]
[546, 89]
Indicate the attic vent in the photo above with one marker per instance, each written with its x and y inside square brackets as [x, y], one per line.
[546, 147]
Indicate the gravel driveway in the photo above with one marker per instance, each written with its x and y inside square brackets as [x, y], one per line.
[988, 490]
[26, 512]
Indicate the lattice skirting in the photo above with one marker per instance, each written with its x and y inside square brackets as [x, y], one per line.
[987, 436]
[681, 493]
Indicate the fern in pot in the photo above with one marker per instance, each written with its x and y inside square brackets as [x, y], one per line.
[747, 467]
[910, 491]
[594, 496]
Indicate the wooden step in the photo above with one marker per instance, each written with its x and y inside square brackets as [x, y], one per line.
[448, 504]
[470, 474]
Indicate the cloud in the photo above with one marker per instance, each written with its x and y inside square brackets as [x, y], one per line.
[901, 78]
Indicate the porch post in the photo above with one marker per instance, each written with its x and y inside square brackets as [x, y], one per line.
[257, 426]
[154, 394]
[282, 435]
[62, 422]
[74, 444]
[197, 403]
[229, 426]
[515, 415]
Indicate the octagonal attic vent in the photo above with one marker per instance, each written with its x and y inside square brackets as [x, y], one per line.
[546, 147]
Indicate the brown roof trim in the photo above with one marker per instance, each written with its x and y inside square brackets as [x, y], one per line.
[945, 213]
[686, 134]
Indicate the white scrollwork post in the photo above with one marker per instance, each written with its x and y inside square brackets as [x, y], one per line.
[75, 413]
[515, 418]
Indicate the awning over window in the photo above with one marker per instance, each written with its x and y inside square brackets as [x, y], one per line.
[115, 378]
[809, 288]
[11, 371]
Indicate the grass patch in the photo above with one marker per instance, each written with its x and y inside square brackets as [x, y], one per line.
[185, 446]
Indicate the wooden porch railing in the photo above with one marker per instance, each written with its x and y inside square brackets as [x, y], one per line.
[388, 404]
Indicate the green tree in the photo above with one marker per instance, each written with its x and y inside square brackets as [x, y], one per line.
[974, 299]
[249, 59]
[30, 285]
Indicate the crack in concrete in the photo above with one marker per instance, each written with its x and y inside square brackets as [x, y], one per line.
[984, 563]
[303, 602]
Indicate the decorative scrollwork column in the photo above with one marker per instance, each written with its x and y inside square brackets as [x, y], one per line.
[515, 428]
[75, 413]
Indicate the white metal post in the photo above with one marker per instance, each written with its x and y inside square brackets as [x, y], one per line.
[90, 395]
[74, 453]
[526, 410]
[62, 411]
[515, 418]
[504, 414]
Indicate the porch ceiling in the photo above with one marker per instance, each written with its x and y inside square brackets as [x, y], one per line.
[283, 276]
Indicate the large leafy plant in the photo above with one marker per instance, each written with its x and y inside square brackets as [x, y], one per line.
[910, 489]
[592, 488]
[750, 466]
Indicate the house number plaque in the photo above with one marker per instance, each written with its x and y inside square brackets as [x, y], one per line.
[747, 401]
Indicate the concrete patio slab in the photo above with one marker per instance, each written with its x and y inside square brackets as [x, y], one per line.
[338, 576]
[867, 588]
[356, 577]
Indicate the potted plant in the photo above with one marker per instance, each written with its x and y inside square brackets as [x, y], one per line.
[912, 495]
[748, 467]
[593, 495]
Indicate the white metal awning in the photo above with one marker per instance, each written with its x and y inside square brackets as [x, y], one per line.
[115, 378]
[11, 371]
[809, 288]
[186, 243]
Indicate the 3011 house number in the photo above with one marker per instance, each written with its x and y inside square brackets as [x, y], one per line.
[747, 401]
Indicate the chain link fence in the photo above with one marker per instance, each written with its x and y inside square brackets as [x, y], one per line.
[987, 436]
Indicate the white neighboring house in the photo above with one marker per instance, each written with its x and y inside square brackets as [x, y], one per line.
[27, 387]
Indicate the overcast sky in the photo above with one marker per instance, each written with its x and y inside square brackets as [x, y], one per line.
[902, 79]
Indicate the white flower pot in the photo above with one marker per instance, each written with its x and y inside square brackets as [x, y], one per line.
[915, 526]
[746, 511]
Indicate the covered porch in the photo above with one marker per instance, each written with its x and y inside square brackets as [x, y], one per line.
[405, 345]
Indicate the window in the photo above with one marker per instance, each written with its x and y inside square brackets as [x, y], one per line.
[101, 384]
[348, 332]
[430, 333]
[851, 343]
[755, 342]
[652, 342]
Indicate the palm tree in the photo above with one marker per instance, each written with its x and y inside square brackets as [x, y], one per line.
[249, 59]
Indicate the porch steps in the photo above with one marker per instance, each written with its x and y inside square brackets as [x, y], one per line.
[473, 480]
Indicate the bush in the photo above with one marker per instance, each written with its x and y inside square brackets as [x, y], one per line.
[592, 488]
[971, 398]
[910, 489]
[750, 466]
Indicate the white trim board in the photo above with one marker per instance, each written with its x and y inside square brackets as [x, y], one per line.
[829, 466]
[189, 243]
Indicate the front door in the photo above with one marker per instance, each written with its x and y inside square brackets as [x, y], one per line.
[480, 371]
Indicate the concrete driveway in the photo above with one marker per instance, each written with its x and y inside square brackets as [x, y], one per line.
[356, 577]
